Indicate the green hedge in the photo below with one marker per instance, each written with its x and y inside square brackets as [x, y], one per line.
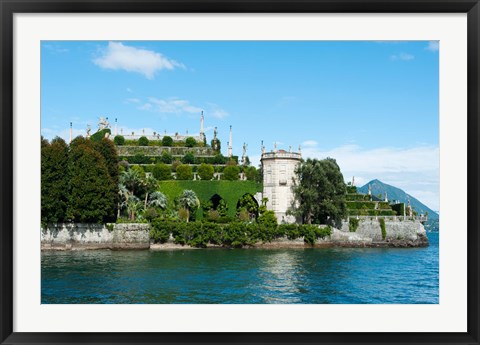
[358, 197]
[233, 234]
[231, 191]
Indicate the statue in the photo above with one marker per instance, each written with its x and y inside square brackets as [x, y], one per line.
[103, 123]
[88, 131]
[244, 149]
[215, 133]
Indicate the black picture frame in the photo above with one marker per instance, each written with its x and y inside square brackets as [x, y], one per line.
[9, 7]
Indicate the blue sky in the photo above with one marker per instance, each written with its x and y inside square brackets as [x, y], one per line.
[371, 105]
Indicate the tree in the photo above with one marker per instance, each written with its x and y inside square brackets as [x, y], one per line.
[231, 173]
[134, 206]
[143, 141]
[189, 158]
[219, 159]
[251, 173]
[206, 171]
[92, 192]
[54, 183]
[184, 172]
[131, 179]
[189, 202]
[109, 153]
[167, 141]
[190, 142]
[150, 185]
[157, 199]
[162, 172]
[119, 140]
[320, 192]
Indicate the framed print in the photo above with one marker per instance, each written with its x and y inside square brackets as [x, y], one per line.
[230, 172]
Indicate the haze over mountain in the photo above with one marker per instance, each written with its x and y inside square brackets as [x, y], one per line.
[394, 193]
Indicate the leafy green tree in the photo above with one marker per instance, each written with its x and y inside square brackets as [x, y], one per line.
[189, 202]
[231, 172]
[143, 141]
[189, 158]
[206, 171]
[166, 157]
[162, 172]
[320, 192]
[54, 183]
[92, 192]
[190, 142]
[251, 173]
[219, 159]
[167, 141]
[107, 149]
[119, 140]
[184, 172]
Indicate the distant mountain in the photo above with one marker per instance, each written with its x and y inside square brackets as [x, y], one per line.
[394, 193]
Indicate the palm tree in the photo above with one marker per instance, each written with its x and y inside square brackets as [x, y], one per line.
[158, 199]
[130, 179]
[188, 201]
[150, 184]
[134, 205]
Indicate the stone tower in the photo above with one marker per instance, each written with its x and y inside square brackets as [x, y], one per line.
[278, 176]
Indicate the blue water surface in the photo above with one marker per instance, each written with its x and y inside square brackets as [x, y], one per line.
[246, 276]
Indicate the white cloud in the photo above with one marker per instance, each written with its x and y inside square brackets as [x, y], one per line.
[309, 143]
[216, 111]
[132, 100]
[433, 46]
[402, 56]
[145, 106]
[415, 170]
[174, 106]
[118, 56]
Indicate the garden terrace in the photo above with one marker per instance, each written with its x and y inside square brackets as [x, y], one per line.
[230, 191]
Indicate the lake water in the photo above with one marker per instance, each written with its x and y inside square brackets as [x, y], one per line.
[319, 276]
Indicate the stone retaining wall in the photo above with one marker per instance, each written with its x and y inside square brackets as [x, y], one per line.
[74, 236]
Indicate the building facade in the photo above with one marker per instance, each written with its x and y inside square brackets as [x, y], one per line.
[278, 178]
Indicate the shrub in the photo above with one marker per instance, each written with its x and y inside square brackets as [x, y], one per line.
[190, 142]
[167, 141]
[143, 141]
[189, 158]
[213, 215]
[162, 172]
[353, 224]
[119, 140]
[160, 231]
[184, 172]
[231, 172]
[206, 171]
[268, 219]
[243, 216]
[150, 214]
